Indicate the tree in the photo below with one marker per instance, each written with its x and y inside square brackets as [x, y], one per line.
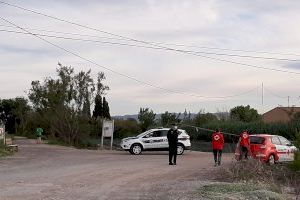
[13, 113]
[169, 118]
[146, 118]
[98, 111]
[99, 105]
[244, 114]
[106, 113]
[84, 86]
[64, 103]
[204, 118]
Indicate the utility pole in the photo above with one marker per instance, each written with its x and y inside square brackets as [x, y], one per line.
[262, 96]
[288, 101]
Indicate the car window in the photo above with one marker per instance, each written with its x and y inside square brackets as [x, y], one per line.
[284, 141]
[164, 133]
[275, 140]
[157, 134]
[257, 140]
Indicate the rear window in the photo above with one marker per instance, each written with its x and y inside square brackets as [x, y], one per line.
[257, 140]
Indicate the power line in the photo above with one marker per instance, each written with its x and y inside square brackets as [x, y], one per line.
[160, 43]
[176, 50]
[150, 47]
[274, 94]
[67, 33]
[122, 74]
[206, 129]
[149, 43]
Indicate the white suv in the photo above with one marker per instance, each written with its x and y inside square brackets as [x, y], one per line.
[155, 139]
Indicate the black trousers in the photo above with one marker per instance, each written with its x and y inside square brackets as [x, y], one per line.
[217, 156]
[244, 153]
[172, 154]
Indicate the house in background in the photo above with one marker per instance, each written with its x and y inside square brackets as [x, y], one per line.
[280, 114]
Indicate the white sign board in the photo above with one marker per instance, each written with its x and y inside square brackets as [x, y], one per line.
[1, 133]
[108, 128]
[108, 131]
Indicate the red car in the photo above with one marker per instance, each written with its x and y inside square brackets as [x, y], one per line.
[270, 148]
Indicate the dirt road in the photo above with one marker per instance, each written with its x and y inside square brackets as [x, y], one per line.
[41, 171]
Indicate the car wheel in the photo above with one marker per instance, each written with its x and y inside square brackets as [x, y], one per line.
[180, 149]
[136, 149]
[271, 160]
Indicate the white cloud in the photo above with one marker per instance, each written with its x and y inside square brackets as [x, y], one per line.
[256, 25]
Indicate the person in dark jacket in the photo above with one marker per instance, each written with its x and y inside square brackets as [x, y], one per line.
[173, 140]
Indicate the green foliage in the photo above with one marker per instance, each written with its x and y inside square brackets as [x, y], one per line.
[106, 113]
[296, 164]
[146, 118]
[169, 118]
[62, 105]
[98, 111]
[3, 151]
[101, 107]
[13, 112]
[126, 128]
[244, 114]
[204, 118]
[288, 130]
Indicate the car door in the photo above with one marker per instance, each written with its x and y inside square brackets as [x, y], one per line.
[281, 151]
[153, 140]
[164, 143]
[158, 139]
[289, 152]
[147, 140]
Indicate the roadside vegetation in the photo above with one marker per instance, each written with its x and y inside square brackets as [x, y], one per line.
[3, 151]
[253, 179]
[70, 108]
[238, 191]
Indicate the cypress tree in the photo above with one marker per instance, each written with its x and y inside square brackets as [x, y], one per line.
[98, 111]
[106, 113]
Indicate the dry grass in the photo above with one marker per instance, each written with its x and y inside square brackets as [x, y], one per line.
[278, 178]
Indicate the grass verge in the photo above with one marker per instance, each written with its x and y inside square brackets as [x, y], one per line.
[238, 191]
[279, 178]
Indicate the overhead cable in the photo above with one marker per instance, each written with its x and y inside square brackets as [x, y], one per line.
[149, 43]
[150, 47]
[123, 74]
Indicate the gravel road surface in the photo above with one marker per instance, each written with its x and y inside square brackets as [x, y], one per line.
[49, 172]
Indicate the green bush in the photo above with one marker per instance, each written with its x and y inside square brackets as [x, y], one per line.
[296, 164]
[288, 130]
[3, 152]
[126, 128]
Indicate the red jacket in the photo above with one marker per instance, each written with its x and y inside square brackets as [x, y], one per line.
[217, 140]
[244, 139]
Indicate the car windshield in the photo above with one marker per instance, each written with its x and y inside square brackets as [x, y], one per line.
[256, 140]
[144, 133]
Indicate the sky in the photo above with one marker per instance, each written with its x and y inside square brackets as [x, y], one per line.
[209, 26]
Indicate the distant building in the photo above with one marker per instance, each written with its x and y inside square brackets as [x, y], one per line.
[280, 114]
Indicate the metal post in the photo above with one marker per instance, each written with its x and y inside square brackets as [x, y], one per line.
[262, 97]
[102, 134]
[112, 135]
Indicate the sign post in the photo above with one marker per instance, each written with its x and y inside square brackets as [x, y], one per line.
[2, 134]
[108, 131]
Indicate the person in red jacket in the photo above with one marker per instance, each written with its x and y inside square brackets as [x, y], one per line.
[217, 144]
[244, 142]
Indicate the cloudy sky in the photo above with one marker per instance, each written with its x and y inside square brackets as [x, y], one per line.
[255, 27]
